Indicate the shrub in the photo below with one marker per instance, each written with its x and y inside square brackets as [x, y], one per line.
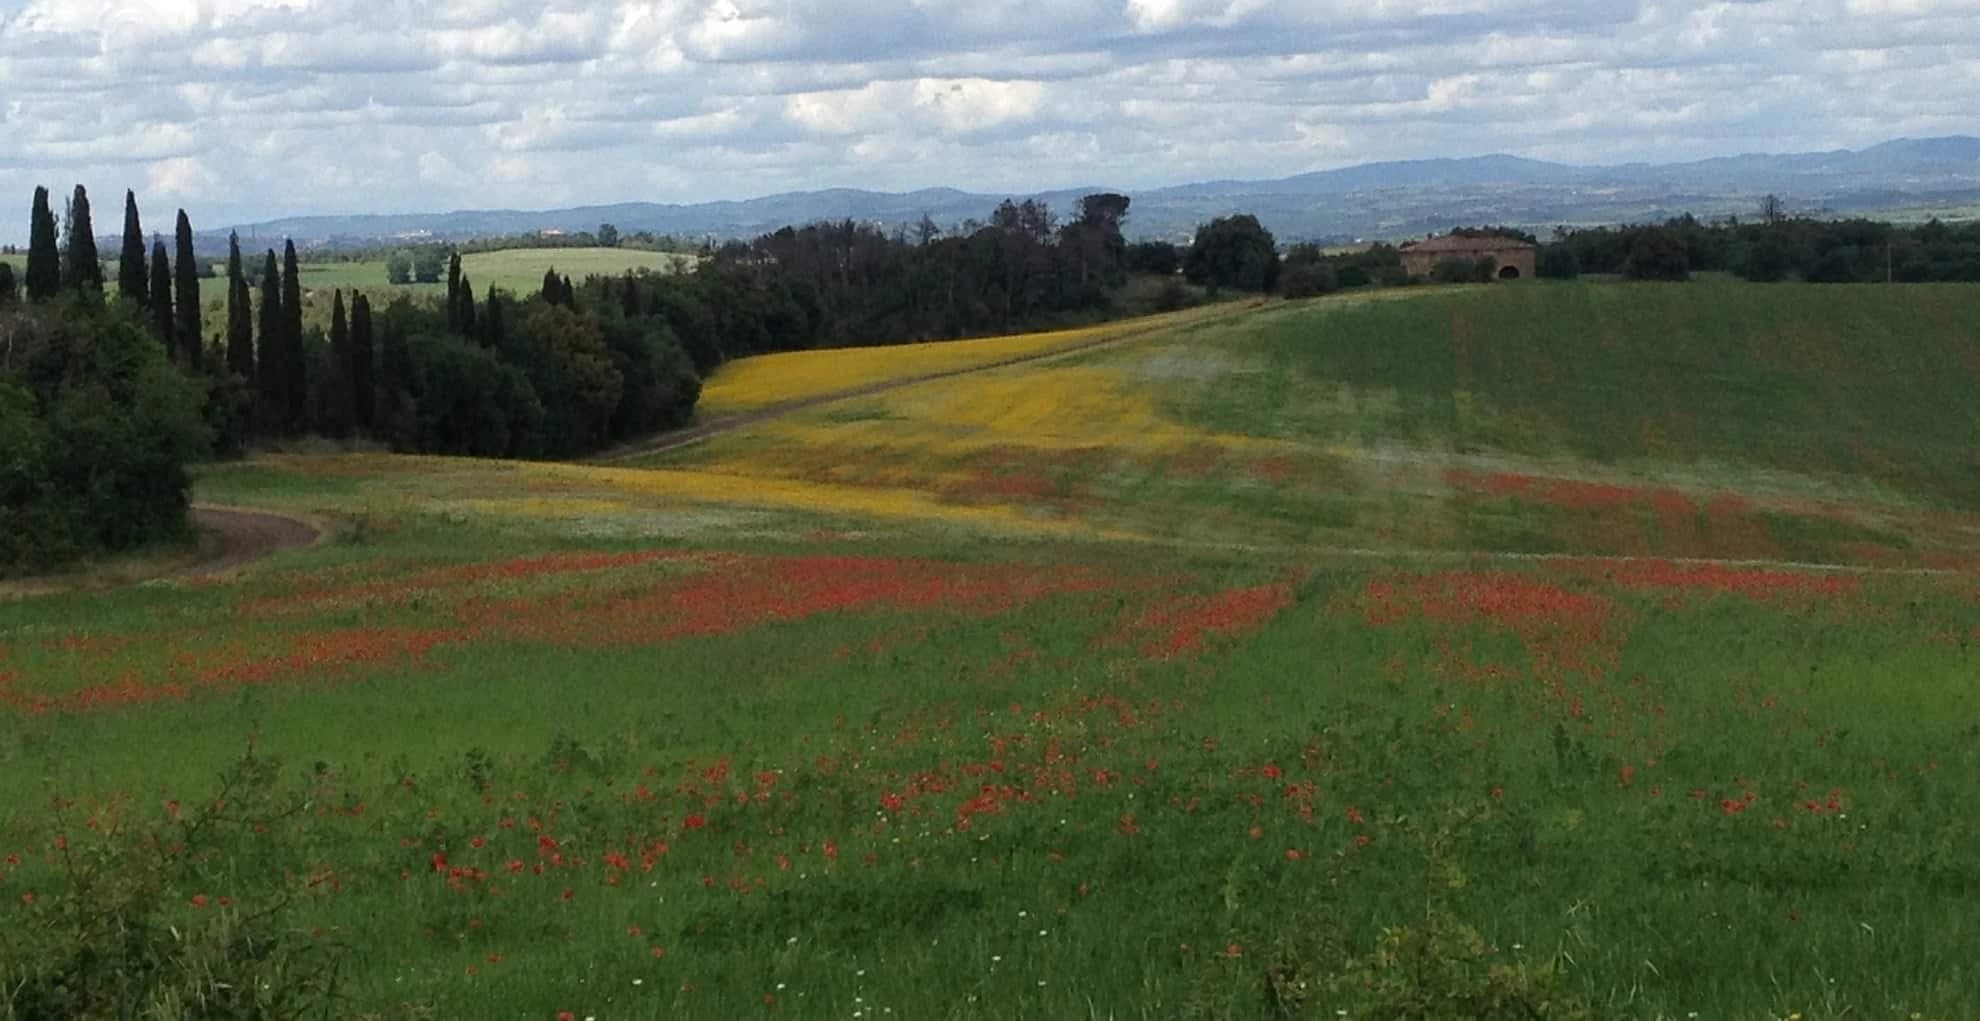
[1307, 280]
[96, 428]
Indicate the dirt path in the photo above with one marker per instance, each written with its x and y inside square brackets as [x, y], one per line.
[232, 538]
[721, 426]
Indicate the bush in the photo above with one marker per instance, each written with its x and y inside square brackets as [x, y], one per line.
[96, 428]
[1307, 280]
[123, 926]
[1465, 271]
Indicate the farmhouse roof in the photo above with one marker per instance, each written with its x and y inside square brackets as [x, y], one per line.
[1461, 243]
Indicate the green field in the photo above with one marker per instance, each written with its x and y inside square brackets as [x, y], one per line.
[517, 271]
[1612, 646]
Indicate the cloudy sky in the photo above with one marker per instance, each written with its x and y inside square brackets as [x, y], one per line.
[247, 109]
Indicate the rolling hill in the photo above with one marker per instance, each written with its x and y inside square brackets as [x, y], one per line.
[1376, 200]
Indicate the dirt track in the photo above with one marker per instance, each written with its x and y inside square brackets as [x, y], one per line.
[241, 537]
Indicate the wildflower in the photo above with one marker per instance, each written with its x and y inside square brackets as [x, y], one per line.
[199, 900]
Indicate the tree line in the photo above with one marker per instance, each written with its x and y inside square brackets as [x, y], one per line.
[1771, 248]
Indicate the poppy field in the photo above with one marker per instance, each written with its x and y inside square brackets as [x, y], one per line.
[1310, 663]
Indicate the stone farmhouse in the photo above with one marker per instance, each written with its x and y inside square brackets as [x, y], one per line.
[1515, 258]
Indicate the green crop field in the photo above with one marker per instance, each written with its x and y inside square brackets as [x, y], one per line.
[1591, 650]
[517, 271]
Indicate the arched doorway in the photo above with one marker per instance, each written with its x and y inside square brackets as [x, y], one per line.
[1509, 272]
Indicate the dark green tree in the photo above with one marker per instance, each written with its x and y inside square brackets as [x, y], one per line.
[7, 286]
[240, 315]
[1235, 252]
[132, 281]
[464, 318]
[271, 368]
[364, 388]
[44, 265]
[295, 383]
[185, 296]
[338, 404]
[553, 287]
[608, 236]
[163, 326]
[454, 292]
[1657, 253]
[82, 269]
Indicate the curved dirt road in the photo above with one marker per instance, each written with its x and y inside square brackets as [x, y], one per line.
[243, 537]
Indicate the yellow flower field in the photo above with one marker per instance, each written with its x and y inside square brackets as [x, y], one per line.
[755, 383]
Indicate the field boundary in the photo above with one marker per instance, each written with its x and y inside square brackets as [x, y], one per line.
[689, 437]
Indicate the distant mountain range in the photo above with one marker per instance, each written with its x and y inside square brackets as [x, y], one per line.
[1373, 201]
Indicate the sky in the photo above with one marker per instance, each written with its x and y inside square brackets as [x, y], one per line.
[240, 110]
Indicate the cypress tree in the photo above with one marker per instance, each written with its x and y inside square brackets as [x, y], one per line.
[454, 293]
[466, 315]
[337, 403]
[270, 373]
[186, 296]
[553, 289]
[492, 331]
[44, 265]
[132, 282]
[364, 388]
[295, 386]
[6, 283]
[162, 326]
[83, 269]
[570, 294]
[240, 316]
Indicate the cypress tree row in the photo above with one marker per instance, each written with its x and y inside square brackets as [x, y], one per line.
[271, 375]
[44, 265]
[192, 346]
[337, 404]
[295, 383]
[364, 387]
[240, 316]
[83, 269]
[162, 326]
[132, 268]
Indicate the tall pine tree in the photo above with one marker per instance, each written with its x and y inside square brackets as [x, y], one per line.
[132, 282]
[162, 326]
[364, 386]
[295, 384]
[337, 404]
[271, 374]
[240, 316]
[192, 346]
[44, 265]
[82, 270]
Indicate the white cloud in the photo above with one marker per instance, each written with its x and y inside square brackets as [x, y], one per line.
[250, 108]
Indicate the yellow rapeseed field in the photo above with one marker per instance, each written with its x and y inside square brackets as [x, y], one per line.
[754, 383]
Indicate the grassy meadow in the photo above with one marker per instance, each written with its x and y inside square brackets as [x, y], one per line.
[1609, 647]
